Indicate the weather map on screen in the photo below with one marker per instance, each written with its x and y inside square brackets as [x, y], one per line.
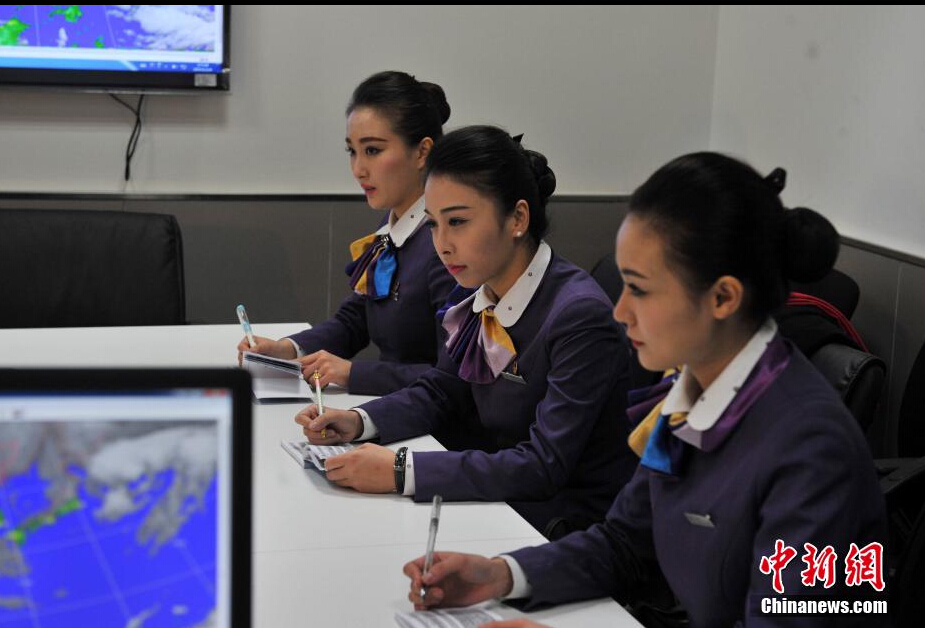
[110, 510]
[130, 38]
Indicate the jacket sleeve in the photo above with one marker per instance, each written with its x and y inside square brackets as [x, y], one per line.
[612, 558]
[344, 334]
[437, 396]
[377, 377]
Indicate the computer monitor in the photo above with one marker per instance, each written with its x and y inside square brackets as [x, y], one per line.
[125, 498]
[116, 47]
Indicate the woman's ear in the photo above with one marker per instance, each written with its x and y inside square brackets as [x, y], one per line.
[726, 296]
[520, 219]
[422, 151]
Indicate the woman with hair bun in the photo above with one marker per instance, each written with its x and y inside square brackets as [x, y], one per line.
[535, 370]
[397, 280]
[749, 460]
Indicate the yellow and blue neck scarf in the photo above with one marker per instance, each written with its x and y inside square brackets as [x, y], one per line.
[373, 267]
[664, 442]
[649, 440]
[653, 441]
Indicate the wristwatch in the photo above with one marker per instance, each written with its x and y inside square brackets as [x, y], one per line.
[399, 468]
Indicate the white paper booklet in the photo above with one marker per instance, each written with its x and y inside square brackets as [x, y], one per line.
[307, 454]
[276, 379]
[471, 617]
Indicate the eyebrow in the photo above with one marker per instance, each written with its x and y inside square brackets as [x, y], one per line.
[629, 272]
[364, 140]
[451, 208]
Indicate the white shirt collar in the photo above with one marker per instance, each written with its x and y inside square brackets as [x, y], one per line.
[705, 407]
[512, 305]
[403, 228]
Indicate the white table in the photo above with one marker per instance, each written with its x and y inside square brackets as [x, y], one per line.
[322, 555]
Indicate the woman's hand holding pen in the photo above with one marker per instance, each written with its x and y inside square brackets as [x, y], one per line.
[337, 426]
[331, 369]
[267, 346]
[368, 469]
[458, 580]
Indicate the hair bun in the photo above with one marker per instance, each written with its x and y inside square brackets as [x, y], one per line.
[777, 179]
[438, 96]
[545, 177]
[810, 245]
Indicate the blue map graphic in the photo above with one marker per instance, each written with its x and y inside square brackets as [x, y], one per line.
[96, 558]
[123, 27]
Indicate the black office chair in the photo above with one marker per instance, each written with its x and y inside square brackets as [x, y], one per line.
[903, 485]
[910, 437]
[907, 586]
[837, 288]
[607, 275]
[856, 375]
[904, 492]
[71, 268]
[909, 434]
[834, 347]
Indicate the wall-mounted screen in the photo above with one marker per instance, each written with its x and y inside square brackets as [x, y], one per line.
[129, 48]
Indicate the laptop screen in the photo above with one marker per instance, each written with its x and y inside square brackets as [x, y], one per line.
[117, 503]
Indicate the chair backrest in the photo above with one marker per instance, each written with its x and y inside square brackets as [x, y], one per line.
[607, 275]
[75, 268]
[837, 288]
[857, 376]
[911, 423]
[904, 493]
[907, 602]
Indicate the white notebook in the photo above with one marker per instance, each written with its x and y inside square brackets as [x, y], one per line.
[276, 379]
[470, 617]
[307, 454]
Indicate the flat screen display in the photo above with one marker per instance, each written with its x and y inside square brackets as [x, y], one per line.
[117, 507]
[115, 47]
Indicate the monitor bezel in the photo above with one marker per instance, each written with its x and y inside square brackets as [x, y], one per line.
[238, 381]
[141, 82]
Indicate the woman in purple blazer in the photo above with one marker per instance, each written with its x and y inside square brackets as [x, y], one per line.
[755, 484]
[532, 380]
[397, 279]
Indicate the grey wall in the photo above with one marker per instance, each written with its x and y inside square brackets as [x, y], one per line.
[607, 92]
[834, 94]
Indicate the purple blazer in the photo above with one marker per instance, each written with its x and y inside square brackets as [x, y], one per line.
[402, 326]
[796, 468]
[553, 446]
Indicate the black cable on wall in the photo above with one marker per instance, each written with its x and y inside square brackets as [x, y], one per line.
[136, 132]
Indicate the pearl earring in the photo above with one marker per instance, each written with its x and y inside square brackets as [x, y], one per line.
[518, 234]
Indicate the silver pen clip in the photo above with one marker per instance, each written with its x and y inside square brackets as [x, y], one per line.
[703, 521]
[511, 377]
